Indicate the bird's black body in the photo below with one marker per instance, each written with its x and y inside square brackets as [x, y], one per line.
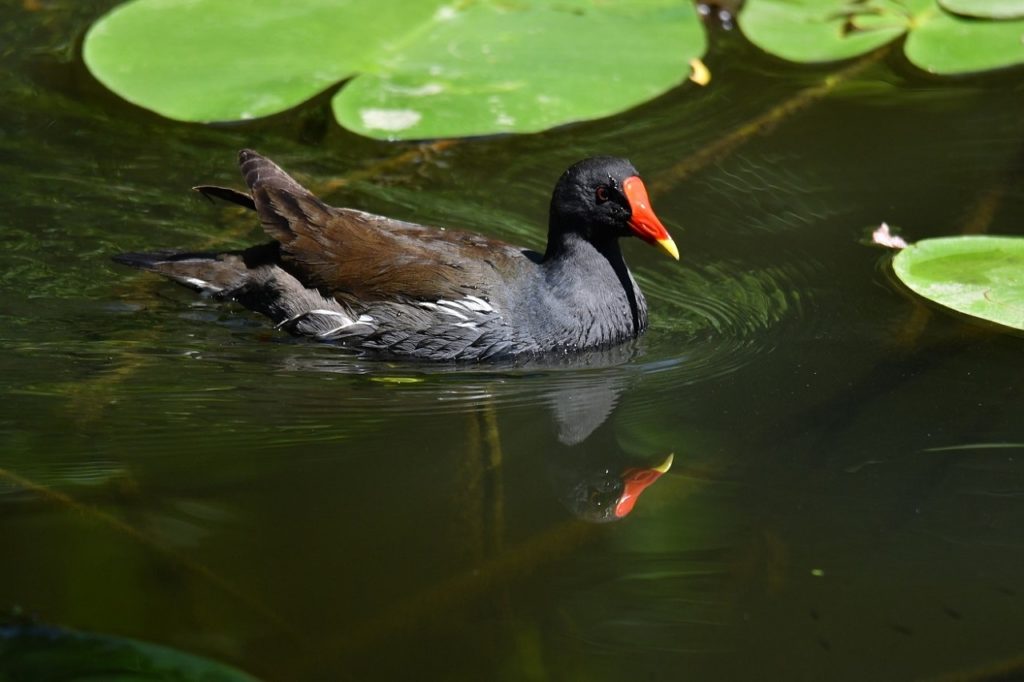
[398, 289]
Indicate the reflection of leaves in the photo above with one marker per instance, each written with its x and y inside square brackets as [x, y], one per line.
[978, 275]
[937, 41]
[48, 654]
[418, 68]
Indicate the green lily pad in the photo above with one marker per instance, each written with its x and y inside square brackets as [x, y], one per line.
[985, 9]
[810, 31]
[418, 68]
[48, 654]
[947, 44]
[975, 275]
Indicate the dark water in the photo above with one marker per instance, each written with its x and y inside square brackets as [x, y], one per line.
[847, 493]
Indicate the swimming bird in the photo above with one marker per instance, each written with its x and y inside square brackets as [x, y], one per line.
[397, 289]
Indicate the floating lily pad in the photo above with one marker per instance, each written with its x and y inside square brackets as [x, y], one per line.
[48, 654]
[811, 31]
[944, 43]
[986, 9]
[975, 275]
[418, 68]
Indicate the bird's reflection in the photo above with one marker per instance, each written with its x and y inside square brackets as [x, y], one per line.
[601, 489]
[595, 482]
[591, 474]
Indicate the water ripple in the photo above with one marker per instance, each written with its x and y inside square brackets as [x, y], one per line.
[718, 318]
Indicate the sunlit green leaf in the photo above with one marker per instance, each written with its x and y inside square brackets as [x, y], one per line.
[824, 30]
[948, 44]
[47, 654]
[976, 275]
[809, 31]
[418, 68]
[987, 9]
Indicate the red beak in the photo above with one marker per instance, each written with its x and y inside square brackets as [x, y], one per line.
[643, 221]
[637, 480]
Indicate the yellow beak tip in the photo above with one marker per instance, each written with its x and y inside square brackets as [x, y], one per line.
[669, 247]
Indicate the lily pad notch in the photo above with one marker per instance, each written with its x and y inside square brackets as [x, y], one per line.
[416, 69]
[940, 39]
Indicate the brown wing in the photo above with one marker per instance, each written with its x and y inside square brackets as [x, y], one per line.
[355, 254]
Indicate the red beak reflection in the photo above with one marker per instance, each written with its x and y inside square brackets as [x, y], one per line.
[636, 481]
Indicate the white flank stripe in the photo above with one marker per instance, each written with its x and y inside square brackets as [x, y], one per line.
[317, 311]
[453, 313]
[330, 332]
[363, 320]
[323, 311]
[477, 304]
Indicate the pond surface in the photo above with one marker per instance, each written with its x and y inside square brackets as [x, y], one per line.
[846, 495]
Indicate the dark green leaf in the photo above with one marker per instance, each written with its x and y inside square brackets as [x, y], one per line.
[48, 654]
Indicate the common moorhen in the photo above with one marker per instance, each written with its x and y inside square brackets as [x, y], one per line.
[397, 289]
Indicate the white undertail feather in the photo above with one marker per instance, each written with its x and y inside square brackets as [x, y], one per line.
[202, 284]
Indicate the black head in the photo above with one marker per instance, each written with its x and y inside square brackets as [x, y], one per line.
[602, 199]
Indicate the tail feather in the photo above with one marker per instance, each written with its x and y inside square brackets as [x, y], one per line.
[255, 279]
[218, 274]
[227, 194]
[280, 201]
[207, 273]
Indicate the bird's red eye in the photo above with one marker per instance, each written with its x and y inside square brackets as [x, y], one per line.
[601, 194]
